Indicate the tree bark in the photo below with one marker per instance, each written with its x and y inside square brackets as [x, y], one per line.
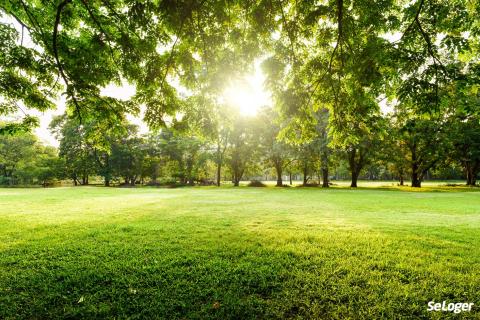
[236, 183]
[356, 165]
[237, 176]
[471, 173]
[325, 178]
[416, 181]
[355, 174]
[278, 168]
[219, 171]
[305, 173]
[324, 164]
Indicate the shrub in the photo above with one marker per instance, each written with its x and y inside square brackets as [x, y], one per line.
[311, 184]
[256, 183]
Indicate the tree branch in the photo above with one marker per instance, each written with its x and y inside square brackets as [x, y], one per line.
[97, 23]
[34, 22]
[70, 89]
[417, 14]
[20, 22]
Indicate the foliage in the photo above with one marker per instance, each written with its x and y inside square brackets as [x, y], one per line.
[23, 160]
[243, 148]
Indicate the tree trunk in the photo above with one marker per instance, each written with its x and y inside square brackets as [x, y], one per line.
[471, 174]
[355, 174]
[468, 173]
[235, 179]
[476, 169]
[324, 163]
[290, 177]
[325, 178]
[305, 173]
[278, 168]
[416, 181]
[356, 165]
[401, 180]
[219, 171]
[237, 175]
[74, 178]
[107, 182]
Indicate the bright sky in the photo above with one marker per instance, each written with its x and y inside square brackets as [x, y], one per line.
[248, 94]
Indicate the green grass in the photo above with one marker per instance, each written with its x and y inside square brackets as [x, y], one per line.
[237, 253]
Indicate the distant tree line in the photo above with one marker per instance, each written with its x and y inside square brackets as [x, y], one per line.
[237, 148]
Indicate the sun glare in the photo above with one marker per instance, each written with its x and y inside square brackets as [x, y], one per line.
[248, 95]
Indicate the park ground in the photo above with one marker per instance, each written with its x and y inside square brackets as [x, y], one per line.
[238, 253]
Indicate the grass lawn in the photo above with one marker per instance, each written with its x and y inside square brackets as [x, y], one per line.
[93, 252]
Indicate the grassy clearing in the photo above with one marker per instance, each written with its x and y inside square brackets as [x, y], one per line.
[237, 253]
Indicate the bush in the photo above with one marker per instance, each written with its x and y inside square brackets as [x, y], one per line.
[311, 184]
[206, 182]
[256, 183]
[454, 185]
[153, 183]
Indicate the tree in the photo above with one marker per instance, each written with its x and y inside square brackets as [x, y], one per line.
[276, 153]
[395, 152]
[321, 145]
[425, 144]
[466, 147]
[26, 79]
[16, 153]
[154, 160]
[127, 155]
[242, 145]
[74, 149]
[49, 167]
[465, 122]
[23, 160]
[87, 45]
[344, 79]
[427, 71]
[211, 121]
